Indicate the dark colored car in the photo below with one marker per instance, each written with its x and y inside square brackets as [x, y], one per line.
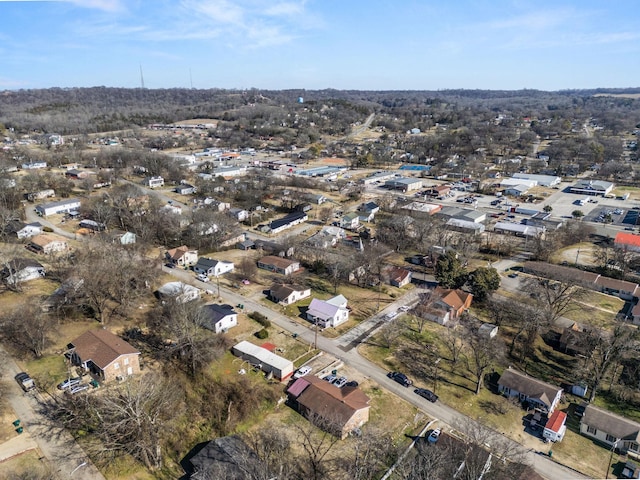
[352, 383]
[579, 410]
[401, 378]
[428, 394]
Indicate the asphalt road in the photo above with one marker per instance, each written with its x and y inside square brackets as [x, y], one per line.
[443, 413]
[64, 455]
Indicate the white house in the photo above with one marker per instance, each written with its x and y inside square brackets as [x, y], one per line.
[350, 221]
[29, 230]
[183, 256]
[220, 318]
[555, 427]
[211, 267]
[541, 394]
[179, 291]
[328, 313]
[55, 208]
[288, 294]
[46, 243]
[611, 429]
[239, 214]
[153, 182]
[34, 165]
[21, 270]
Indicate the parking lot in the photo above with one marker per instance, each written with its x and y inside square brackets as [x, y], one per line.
[608, 214]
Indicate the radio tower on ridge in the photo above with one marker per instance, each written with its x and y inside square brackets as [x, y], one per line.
[141, 78]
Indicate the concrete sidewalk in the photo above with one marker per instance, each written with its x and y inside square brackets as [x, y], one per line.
[17, 445]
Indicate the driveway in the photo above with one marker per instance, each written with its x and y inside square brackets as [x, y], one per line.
[351, 357]
[64, 455]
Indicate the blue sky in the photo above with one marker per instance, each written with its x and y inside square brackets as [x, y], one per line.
[315, 44]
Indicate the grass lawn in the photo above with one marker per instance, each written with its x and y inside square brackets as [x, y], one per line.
[26, 465]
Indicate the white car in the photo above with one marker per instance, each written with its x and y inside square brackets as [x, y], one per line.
[405, 308]
[202, 277]
[302, 371]
[391, 315]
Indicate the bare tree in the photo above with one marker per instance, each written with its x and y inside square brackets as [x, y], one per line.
[606, 350]
[131, 418]
[188, 341]
[316, 444]
[28, 328]
[481, 354]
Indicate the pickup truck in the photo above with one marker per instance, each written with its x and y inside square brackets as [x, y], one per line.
[25, 381]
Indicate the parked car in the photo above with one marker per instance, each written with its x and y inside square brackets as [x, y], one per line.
[202, 277]
[401, 378]
[302, 371]
[25, 381]
[512, 275]
[579, 410]
[428, 394]
[78, 389]
[340, 382]
[69, 383]
[330, 378]
[405, 308]
[170, 265]
[434, 436]
[351, 383]
[391, 315]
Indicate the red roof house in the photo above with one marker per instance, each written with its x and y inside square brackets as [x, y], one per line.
[555, 427]
[627, 241]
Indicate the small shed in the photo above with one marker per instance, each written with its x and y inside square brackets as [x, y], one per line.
[488, 330]
[555, 428]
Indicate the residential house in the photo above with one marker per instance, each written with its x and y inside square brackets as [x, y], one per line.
[455, 301]
[106, 356]
[54, 208]
[290, 220]
[274, 248]
[239, 214]
[611, 429]
[398, 276]
[122, 237]
[76, 174]
[178, 291]
[286, 294]
[21, 270]
[92, 225]
[488, 330]
[211, 267]
[267, 361]
[327, 237]
[279, 265]
[555, 427]
[183, 256]
[220, 318]
[369, 208]
[247, 244]
[28, 230]
[328, 313]
[315, 198]
[337, 410]
[227, 458]
[34, 165]
[574, 340]
[528, 389]
[232, 238]
[47, 243]
[41, 194]
[153, 182]
[350, 221]
[185, 189]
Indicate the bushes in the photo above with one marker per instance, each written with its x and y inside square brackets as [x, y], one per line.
[261, 319]
[262, 334]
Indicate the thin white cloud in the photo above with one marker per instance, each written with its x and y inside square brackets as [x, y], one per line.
[105, 5]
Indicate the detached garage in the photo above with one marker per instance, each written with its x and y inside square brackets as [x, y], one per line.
[268, 362]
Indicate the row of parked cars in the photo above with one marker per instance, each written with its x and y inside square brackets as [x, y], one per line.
[405, 381]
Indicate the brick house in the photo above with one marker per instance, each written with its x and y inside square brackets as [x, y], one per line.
[106, 356]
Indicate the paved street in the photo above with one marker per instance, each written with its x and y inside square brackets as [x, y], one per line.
[351, 357]
[64, 455]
